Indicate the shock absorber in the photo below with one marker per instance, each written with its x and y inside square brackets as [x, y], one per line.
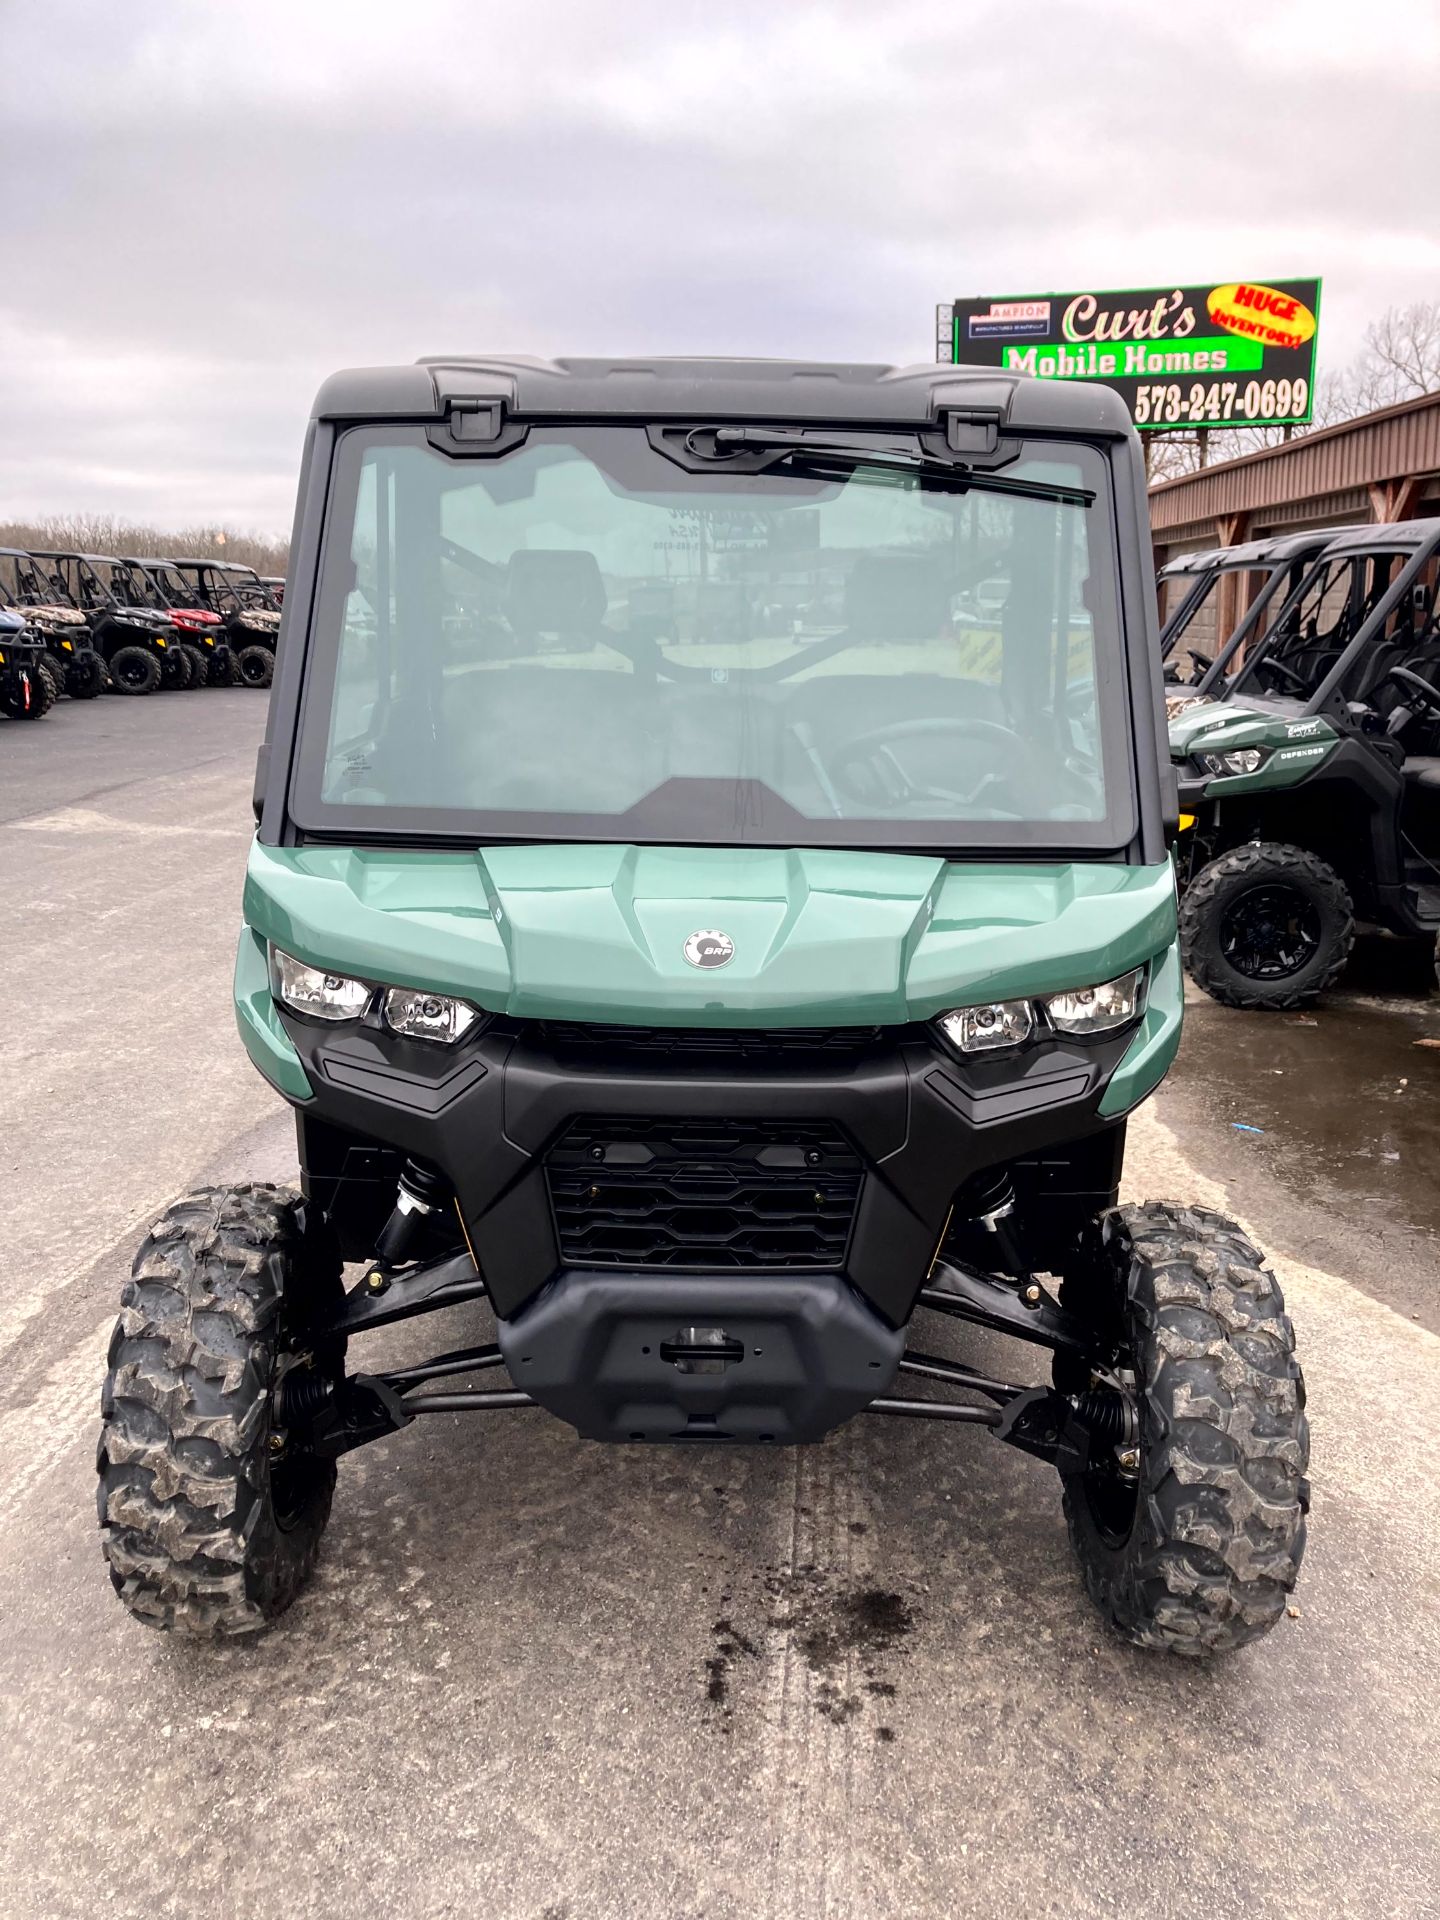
[988, 1200]
[422, 1192]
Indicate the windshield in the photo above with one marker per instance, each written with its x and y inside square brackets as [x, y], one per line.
[581, 639]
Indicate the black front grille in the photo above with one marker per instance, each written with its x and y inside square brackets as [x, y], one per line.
[721, 1043]
[703, 1193]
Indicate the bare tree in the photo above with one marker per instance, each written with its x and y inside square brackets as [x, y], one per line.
[104, 533]
[1399, 360]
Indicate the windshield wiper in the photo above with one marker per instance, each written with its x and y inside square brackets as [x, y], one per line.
[796, 446]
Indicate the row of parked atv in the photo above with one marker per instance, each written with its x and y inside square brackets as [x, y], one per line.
[83, 624]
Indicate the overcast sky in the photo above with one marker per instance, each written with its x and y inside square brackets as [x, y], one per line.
[209, 207]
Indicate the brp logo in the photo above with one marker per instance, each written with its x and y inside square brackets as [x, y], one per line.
[709, 948]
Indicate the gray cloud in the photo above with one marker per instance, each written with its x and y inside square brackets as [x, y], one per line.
[210, 208]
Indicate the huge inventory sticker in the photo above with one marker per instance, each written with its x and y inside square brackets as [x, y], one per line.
[1238, 354]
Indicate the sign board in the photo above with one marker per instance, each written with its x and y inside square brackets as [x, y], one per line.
[1237, 354]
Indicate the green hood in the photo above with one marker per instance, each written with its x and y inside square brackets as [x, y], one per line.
[1295, 744]
[598, 932]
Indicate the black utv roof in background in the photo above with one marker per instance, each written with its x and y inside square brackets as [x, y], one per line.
[648, 389]
[1274, 548]
[1395, 536]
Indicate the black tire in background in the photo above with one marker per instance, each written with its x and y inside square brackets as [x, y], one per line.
[33, 698]
[54, 673]
[222, 666]
[1191, 1542]
[199, 664]
[1266, 926]
[174, 670]
[86, 678]
[134, 670]
[256, 666]
[212, 1512]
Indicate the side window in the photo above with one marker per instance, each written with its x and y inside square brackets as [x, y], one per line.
[365, 679]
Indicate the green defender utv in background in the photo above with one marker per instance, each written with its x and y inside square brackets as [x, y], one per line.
[721, 1010]
[1310, 775]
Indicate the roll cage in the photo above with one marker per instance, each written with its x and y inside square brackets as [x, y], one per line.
[1378, 566]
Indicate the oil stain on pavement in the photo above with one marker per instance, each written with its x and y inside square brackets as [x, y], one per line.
[835, 1627]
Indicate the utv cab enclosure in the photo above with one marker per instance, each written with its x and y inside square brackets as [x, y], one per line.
[689, 932]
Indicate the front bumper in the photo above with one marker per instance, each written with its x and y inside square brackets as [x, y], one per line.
[500, 1113]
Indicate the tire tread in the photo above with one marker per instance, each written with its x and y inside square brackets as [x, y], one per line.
[1220, 1523]
[183, 1468]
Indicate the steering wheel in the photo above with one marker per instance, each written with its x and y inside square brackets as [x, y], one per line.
[1286, 672]
[875, 753]
[1428, 696]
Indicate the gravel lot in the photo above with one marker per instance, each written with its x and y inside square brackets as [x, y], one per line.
[536, 1677]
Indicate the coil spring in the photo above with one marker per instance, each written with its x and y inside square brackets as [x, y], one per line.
[987, 1194]
[425, 1183]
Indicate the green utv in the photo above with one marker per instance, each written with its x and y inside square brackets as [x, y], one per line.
[712, 910]
[1309, 774]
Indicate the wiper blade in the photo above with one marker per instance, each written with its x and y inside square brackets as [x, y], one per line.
[796, 446]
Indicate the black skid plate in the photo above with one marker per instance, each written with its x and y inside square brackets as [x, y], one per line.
[780, 1357]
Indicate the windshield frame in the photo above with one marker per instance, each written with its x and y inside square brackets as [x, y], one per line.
[770, 821]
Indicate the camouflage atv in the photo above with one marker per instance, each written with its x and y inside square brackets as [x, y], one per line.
[69, 662]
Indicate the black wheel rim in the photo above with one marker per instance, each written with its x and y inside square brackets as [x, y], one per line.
[252, 670]
[130, 673]
[1270, 932]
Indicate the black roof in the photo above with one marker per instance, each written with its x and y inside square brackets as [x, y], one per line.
[1275, 548]
[1396, 536]
[223, 566]
[645, 388]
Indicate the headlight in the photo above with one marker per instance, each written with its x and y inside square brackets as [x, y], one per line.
[1006, 1023]
[427, 1016]
[324, 996]
[1096, 1009]
[1003, 1023]
[1245, 760]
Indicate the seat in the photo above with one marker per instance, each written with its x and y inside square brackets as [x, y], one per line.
[1421, 772]
[555, 590]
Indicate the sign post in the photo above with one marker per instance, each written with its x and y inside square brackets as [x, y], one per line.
[1237, 354]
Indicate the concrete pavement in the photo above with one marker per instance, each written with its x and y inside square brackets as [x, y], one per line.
[536, 1677]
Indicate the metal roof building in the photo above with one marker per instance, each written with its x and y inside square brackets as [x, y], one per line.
[1383, 466]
